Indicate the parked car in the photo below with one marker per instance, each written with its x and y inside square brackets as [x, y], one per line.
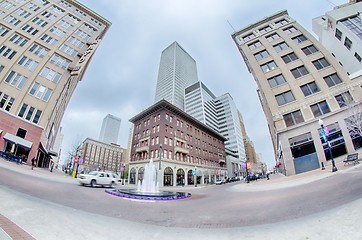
[98, 178]
[219, 182]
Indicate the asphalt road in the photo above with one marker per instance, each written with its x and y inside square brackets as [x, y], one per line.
[224, 206]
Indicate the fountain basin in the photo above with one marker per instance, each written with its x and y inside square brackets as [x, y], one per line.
[153, 196]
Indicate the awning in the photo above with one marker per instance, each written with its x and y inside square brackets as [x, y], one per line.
[52, 153]
[18, 140]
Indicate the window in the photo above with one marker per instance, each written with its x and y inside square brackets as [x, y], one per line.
[50, 74]
[254, 45]
[29, 29]
[76, 42]
[281, 22]
[28, 63]
[309, 88]
[268, 66]
[299, 39]
[347, 43]
[249, 37]
[293, 118]
[332, 80]
[272, 37]
[68, 50]
[285, 98]
[48, 39]
[21, 133]
[309, 50]
[260, 55]
[3, 31]
[40, 92]
[358, 57]
[354, 24]
[7, 52]
[290, 30]
[22, 110]
[12, 20]
[38, 50]
[344, 99]
[82, 34]
[265, 29]
[338, 34]
[16, 80]
[299, 71]
[320, 108]
[289, 57]
[18, 40]
[320, 63]
[276, 80]
[39, 21]
[280, 46]
[59, 61]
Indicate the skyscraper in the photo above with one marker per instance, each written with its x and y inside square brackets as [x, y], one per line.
[45, 49]
[177, 70]
[340, 32]
[110, 129]
[219, 113]
[299, 82]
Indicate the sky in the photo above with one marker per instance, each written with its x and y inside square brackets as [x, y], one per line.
[121, 78]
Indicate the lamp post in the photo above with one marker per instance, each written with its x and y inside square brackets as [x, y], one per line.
[159, 164]
[195, 176]
[324, 134]
[124, 169]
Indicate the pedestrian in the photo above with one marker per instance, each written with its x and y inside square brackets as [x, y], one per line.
[33, 163]
[267, 176]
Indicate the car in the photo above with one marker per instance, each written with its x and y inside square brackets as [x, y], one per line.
[98, 178]
[219, 182]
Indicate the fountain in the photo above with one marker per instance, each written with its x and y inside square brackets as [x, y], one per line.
[148, 189]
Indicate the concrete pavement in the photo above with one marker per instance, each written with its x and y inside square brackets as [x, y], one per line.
[46, 220]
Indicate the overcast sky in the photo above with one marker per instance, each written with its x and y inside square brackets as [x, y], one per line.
[121, 78]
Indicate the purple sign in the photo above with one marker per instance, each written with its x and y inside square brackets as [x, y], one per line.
[121, 169]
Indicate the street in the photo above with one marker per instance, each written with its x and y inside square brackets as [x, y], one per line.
[237, 206]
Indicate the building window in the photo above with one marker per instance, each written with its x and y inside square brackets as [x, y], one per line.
[299, 39]
[309, 88]
[254, 45]
[7, 52]
[16, 80]
[285, 98]
[59, 61]
[50, 74]
[28, 63]
[276, 80]
[354, 24]
[18, 40]
[290, 30]
[320, 108]
[280, 46]
[268, 66]
[332, 80]
[338, 34]
[38, 50]
[320, 63]
[281, 22]
[293, 118]
[289, 57]
[347, 43]
[344, 99]
[265, 29]
[272, 37]
[309, 50]
[299, 71]
[260, 55]
[358, 57]
[248, 37]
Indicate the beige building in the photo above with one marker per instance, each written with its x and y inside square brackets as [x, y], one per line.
[299, 82]
[97, 155]
[45, 48]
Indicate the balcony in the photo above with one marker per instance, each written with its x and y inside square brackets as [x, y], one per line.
[181, 150]
[143, 149]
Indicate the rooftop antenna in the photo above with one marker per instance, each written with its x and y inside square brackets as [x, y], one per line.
[231, 25]
[334, 5]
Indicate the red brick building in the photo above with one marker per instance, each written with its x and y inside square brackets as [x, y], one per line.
[186, 146]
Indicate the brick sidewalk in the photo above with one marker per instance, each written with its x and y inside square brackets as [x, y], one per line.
[12, 231]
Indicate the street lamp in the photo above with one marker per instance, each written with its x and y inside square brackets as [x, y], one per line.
[124, 169]
[159, 164]
[195, 176]
[324, 134]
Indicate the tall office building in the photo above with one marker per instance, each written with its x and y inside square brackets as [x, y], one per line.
[45, 49]
[299, 82]
[219, 113]
[177, 70]
[110, 129]
[340, 32]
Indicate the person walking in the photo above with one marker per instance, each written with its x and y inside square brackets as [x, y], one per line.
[33, 163]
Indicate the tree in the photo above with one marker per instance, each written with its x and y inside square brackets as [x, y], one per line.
[354, 122]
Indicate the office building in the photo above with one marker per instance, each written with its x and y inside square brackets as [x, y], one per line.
[110, 129]
[45, 49]
[96, 155]
[298, 83]
[340, 32]
[219, 113]
[177, 70]
[179, 145]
